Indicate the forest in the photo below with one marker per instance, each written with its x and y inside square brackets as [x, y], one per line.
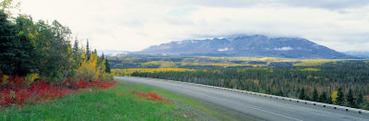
[341, 82]
[37, 59]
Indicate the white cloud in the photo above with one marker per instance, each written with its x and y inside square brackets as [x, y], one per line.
[136, 24]
[283, 49]
[223, 49]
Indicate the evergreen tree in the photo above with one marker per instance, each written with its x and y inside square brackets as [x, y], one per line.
[75, 46]
[102, 56]
[107, 66]
[340, 97]
[88, 51]
[329, 100]
[323, 97]
[280, 93]
[302, 93]
[350, 99]
[359, 99]
[94, 52]
[16, 49]
[315, 95]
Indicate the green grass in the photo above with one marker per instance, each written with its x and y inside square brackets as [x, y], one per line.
[112, 104]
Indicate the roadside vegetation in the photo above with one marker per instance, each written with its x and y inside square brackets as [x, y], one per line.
[122, 102]
[44, 77]
[341, 82]
[38, 62]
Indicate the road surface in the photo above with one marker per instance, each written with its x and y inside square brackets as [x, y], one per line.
[262, 107]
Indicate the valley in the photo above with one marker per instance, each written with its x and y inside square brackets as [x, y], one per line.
[340, 82]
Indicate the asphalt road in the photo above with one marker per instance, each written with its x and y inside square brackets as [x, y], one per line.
[261, 107]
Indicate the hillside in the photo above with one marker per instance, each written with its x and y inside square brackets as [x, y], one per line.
[247, 46]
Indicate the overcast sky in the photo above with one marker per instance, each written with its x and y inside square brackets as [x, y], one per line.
[133, 25]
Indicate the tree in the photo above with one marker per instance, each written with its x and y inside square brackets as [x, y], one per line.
[359, 99]
[334, 97]
[75, 46]
[323, 97]
[107, 66]
[302, 93]
[88, 51]
[340, 97]
[7, 5]
[350, 99]
[16, 48]
[315, 95]
[94, 52]
[54, 52]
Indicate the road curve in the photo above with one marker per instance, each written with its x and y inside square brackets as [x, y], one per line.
[258, 106]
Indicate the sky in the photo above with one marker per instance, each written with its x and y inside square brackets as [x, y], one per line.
[133, 25]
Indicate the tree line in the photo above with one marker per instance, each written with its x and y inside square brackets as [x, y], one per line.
[43, 48]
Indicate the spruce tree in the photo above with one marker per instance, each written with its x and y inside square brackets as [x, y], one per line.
[359, 99]
[75, 46]
[16, 49]
[350, 99]
[88, 51]
[302, 93]
[329, 100]
[315, 95]
[107, 66]
[94, 52]
[323, 97]
[340, 97]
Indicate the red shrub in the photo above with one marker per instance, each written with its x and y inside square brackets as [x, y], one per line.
[151, 95]
[17, 91]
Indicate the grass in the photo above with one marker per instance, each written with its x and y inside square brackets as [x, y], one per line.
[117, 103]
[214, 111]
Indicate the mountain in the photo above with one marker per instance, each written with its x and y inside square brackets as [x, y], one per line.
[360, 54]
[247, 46]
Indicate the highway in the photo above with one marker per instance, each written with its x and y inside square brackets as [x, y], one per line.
[264, 108]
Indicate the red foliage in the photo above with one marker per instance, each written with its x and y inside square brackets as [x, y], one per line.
[17, 90]
[151, 95]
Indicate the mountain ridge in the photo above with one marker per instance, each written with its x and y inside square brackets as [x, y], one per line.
[247, 46]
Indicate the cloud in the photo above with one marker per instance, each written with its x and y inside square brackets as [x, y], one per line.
[324, 4]
[136, 24]
[283, 49]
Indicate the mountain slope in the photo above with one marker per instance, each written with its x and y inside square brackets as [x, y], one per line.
[360, 54]
[249, 46]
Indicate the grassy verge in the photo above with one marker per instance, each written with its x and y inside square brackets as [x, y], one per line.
[214, 111]
[117, 103]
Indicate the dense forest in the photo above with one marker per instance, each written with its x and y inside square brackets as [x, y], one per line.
[38, 53]
[341, 82]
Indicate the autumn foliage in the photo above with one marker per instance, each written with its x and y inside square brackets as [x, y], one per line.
[18, 91]
[151, 96]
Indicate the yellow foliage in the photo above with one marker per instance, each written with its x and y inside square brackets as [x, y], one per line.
[147, 70]
[334, 96]
[31, 77]
[268, 59]
[91, 69]
[310, 69]
[4, 79]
